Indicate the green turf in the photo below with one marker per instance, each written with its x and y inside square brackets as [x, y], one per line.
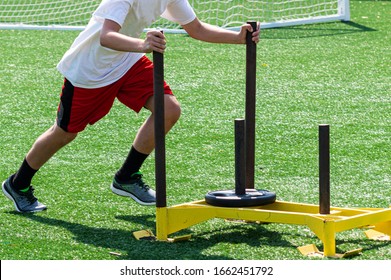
[335, 73]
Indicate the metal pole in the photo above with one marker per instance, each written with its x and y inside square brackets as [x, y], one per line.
[324, 169]
[240, 187]
[160, 145]
[251, 59]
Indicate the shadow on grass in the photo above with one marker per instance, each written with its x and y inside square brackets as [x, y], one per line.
[123, 241]
[207, 245]
[251, 234]
[316, 30]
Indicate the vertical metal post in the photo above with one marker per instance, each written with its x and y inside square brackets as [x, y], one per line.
[251, 59]
[324, 169]
[240, 176]
[160, 145]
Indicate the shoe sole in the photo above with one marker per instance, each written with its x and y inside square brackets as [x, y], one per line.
[9, 196]
[124, 193]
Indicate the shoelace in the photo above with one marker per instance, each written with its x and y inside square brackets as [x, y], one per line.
[141, 183]
[30, 195]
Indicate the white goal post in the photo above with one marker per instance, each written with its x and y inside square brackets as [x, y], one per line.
[74, 14]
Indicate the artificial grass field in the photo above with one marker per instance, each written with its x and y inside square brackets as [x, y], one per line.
[336, 73]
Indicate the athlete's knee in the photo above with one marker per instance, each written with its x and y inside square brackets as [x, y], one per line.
[69, 137]
[172, 110]
[64, 137]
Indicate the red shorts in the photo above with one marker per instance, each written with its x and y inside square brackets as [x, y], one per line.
[80, 106]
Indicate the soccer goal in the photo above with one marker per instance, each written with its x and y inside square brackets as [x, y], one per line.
[74, 14]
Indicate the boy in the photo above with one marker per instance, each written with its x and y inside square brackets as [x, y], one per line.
[107, 61]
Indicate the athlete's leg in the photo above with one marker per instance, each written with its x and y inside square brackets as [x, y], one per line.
[145, 139]
[47, 145]
[144, 142]
[17, 187]
[136, 93]
[128, 180]
[42, 150]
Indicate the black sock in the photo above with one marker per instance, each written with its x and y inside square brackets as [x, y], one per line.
[22, 178]
[131, 165]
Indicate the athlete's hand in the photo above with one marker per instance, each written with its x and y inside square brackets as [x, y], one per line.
[247, 27]
[155, 41]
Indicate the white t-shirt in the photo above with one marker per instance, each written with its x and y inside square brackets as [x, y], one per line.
[89, 65]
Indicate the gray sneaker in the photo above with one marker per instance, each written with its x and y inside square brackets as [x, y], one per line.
[135, 189]
[24, 201]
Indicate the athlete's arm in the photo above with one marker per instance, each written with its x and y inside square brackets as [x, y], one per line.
[111, 38]
[214, 34]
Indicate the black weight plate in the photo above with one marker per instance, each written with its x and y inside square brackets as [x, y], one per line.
[228, 198]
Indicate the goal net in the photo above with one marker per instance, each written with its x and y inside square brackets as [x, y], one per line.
[74, 14]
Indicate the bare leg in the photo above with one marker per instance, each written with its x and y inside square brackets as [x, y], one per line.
[145, 140]
[47, 145]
